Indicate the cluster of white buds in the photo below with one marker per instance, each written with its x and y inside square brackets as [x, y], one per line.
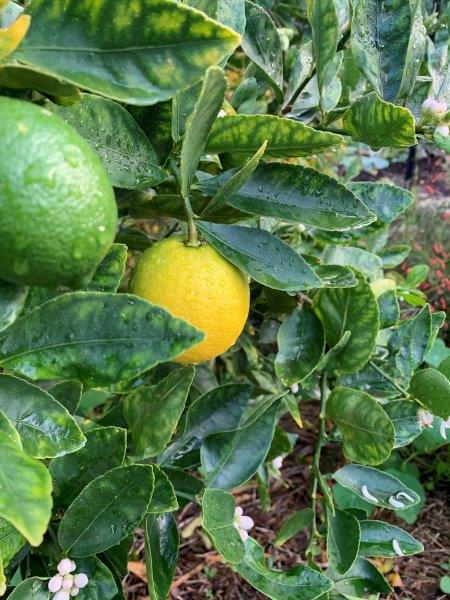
[425, 418]
[242, 523]
[66, 584]
[432, 110]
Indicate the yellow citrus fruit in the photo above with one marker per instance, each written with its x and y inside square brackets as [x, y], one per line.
[199, 286]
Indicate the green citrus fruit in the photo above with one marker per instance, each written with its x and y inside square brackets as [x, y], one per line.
[199, 286]
[57, 208]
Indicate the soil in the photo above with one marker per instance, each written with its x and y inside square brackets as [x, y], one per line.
[201, 575]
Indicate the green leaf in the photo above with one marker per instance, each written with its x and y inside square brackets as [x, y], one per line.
[349, 309]
[292, 193]
[199, 125]
[410, 478]
[377, 540]
[293, 525]
[101, 584]
[387, 201]
[106, 511]
[408, 343]
[71, 473]
[261, 255]
[124, 149]
[94, 47]
[34, 588]
[218, 521]
[164, 499]
[25, 491]
[328, 360]
[218, 410]
[9, 430]
[367, 431]
[161, 552]
[389, 309]
[439, 68]
[103, 338]
[325, 34]
[152, 412]
[261, 43]
[238, 178]
[362, 578]
[300, 346]
[432, 389]
[230, 458]
[297, 583]
[392, 256]
[300, 72]
[187, 487]
[381, 486]
[417, 275]
[45, 427]
[349, 256]
[389, 42]
[444, 367]
[403, 415]
[11, 541]
[12, 301]
[379, 123]
[68, 393]
[334, 276]
[244, 134]
[343, 540]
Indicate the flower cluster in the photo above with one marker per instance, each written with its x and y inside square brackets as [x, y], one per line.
[432, 110]
[66, 583]
[242, 523]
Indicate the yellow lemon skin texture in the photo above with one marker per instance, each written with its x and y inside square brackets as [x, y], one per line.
[199, 286]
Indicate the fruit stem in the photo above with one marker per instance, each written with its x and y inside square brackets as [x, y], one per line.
[192, 237]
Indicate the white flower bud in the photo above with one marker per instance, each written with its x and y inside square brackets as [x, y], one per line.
[73, 566]
[443, 130]
[443, 428]
[431, 108]
[246, 523]
[74, 591]
[67, 582]
[397, 548]
[294, 388]
[55, 583]
[64, 566]
[238, 511]
[425, 418]
[62, 595]
[277, 462]
[81, 580]
[244, 535]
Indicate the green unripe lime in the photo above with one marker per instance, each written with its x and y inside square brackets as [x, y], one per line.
[58, 212]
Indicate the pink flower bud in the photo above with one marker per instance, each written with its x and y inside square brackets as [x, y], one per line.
[81, 580]
[74, 591]
[67, 582]
[64, 566]
[55, 583]
[61, 595]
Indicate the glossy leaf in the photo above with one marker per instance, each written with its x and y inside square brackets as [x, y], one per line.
[349, 309]
[238, 178]
[379, 123]
[199, 124]
[12, 301]
[94, 47]
[187, 487]
[432, 389]
[152, 412]
[228, 12]
[293, 193]
[261, 43]
[218, 410]
[106, 511]
[367, 431]
[104, 338]
[387, 201]
[7, 428]
[343, 540]
[164, 499]
[124, 149]
[11, 541]
[389, 309]
[102, 585]
[444, 367]
[161, 553]
[380, 485]
[389, 42]
[67, 393]
[439, 67]
[34, 588]
[408, 343]
[334, 276]
[350, 256]
[71, 473]
[297, 583]
[244, 134]
[403, 415]
[300, 346]
[230, 458]
[25, 491]
[261, 255]
[301, 70]
[11, 37]
[362, 578]
[409, 477]
[377, 540]
[45, 427]
[392, 256]
[328, 360]
[293, 525]
[325, 34]
[218, 521]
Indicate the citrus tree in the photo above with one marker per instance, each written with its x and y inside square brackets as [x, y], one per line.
[203, 134]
